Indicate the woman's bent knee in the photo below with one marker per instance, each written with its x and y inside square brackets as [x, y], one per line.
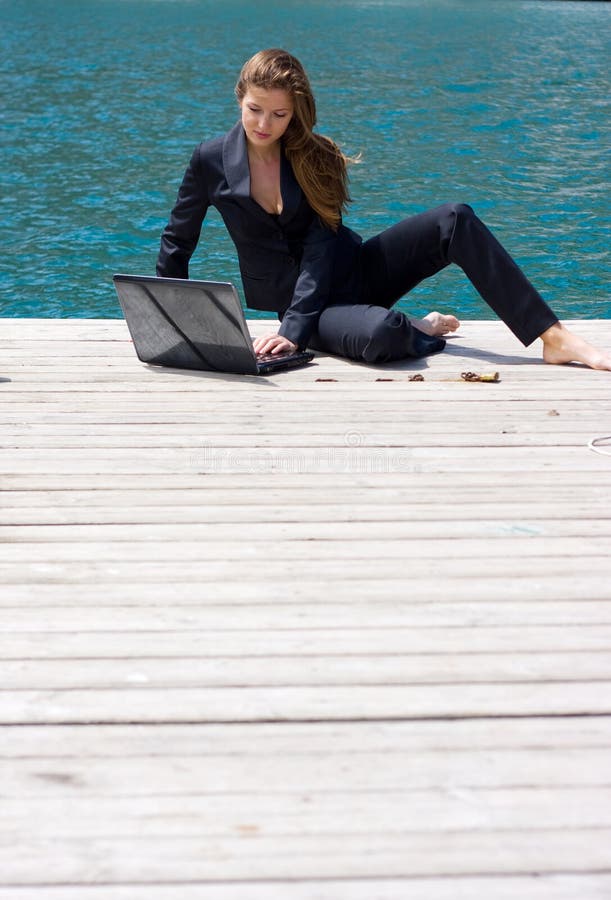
[457, 210]
[454, 220]
[455, 213]
[388, 339]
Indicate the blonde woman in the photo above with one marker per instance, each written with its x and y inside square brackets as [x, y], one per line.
[281, 190]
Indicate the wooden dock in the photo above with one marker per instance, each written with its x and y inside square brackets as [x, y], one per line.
[330, 635]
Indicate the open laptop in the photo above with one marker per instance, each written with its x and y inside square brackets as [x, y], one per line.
[189, 324]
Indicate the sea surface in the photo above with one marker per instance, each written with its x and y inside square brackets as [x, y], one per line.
[502, 104]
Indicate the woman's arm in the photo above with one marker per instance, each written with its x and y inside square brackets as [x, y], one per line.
[313, 285]
[181, 234]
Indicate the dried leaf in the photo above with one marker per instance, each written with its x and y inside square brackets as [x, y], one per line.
[474, 376]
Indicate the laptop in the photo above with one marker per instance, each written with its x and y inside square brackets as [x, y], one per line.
[189, 324]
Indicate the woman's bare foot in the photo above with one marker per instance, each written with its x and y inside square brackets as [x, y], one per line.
[435, 324]
[562, 346]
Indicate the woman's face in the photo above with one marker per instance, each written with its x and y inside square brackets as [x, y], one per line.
[265, 115]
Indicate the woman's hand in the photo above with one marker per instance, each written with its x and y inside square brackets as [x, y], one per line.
[273, 343]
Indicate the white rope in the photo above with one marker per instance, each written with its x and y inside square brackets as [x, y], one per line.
[594, 445]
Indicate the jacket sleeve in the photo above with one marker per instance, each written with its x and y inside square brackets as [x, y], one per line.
[313, 285]
[181, 234]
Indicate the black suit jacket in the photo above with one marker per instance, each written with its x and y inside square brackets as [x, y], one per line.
[291, 264]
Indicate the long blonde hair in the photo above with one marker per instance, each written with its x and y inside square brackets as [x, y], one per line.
[318, 163]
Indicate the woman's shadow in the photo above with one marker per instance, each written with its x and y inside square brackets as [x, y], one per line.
[488, 357]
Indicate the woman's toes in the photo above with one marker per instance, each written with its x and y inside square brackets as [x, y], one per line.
[449, 323]
[441, 324]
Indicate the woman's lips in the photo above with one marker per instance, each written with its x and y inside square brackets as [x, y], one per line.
[262, 134]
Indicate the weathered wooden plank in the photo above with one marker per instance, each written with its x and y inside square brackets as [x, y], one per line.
[280, 670]
[213, 814]
[507, 887]
[498, 595]
[419, 487]
[306, 741]
[233, 641]
[289, 431]
[462, 775]
[293, 436]
[235, 562]
[54, 394]
[322, 772]
[562, 414]
[503, 518]
[170, 422]
[588, 537]
[342, 462]
[370, 504]
[223, 536]
[332, 856]
[351, 399]
[306, 384]
[311, 703]
[293, 387]
[329, 614]
[178, 419]
[331, 567]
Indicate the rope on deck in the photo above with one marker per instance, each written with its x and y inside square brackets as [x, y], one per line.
[595, 442]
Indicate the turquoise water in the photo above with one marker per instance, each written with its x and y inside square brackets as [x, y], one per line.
[499, 103]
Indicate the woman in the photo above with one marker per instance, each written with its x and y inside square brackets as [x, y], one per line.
[281, 190]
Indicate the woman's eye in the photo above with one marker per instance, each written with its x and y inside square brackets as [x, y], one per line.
[280, 115]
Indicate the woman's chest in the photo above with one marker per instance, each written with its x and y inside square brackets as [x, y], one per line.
[265, 185]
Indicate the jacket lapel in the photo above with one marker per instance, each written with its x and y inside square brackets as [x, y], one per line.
[237, 173]
[235, 162]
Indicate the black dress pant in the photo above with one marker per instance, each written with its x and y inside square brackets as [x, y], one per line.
[398, 259]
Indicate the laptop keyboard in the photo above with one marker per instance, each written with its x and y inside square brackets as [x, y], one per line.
[272, 357]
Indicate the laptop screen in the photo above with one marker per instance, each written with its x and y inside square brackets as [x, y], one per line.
[186, 324]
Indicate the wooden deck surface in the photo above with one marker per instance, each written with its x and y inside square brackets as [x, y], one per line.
[328, 635]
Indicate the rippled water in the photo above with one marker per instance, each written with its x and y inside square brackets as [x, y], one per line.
[501, 104]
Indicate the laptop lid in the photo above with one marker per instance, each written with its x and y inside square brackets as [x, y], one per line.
[186, 324]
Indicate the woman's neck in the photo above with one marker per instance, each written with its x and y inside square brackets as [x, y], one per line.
[264, 155]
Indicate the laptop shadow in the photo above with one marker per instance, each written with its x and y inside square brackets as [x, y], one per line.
[237, 378]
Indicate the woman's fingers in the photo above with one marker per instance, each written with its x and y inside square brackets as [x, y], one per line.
[272, 343]
[261, 343]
